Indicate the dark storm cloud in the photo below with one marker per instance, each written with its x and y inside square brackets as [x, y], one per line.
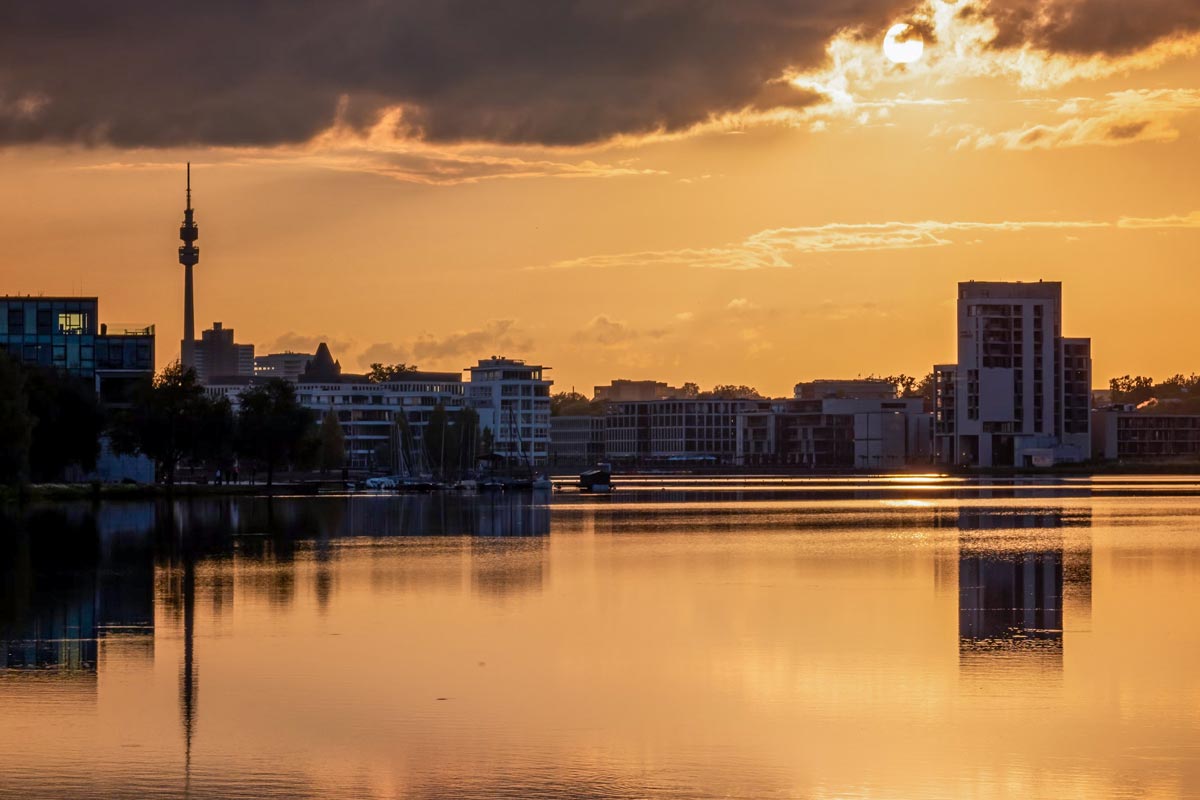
[1086, 27]
[560, 72]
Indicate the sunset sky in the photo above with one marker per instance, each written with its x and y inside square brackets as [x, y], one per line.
[687, 190]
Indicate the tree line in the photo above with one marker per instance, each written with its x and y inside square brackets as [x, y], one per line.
[51, 422]
[1178, 393]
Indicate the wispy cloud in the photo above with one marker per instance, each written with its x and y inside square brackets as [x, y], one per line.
[1191, 220]
[782, 247]
[1120, 118]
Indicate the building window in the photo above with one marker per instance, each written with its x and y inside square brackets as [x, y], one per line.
[72, 323]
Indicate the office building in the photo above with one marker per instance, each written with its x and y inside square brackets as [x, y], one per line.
[703, 431]
[576, 440]
[64, 333]
[512, 399]
[217, 355]
[1126, 434]
[857, 388]
[1019, 394]
[622, 390]
[287, 365]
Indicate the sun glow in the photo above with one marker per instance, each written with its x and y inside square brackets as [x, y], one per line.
[900, 51]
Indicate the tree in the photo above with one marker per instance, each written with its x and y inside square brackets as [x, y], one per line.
[1131, 390]
[216, 429]
[16, 424]
[67, 423]
[487, 442]
[731, 392]
[438, 439]
[574, 404]
[690, 389]
[332, 452]
[273, 429]
[924, 388]
[467, 422]
[164, 422]
[382, 373]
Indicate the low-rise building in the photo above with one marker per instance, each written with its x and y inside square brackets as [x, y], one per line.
[798, 433]
[1125, 434]
[835, 433]
[701, 430]
[576, 440]
[860, 388]
[622, 390]
[383, 424]
[288, 365]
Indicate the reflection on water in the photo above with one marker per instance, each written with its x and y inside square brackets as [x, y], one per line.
[708, 639]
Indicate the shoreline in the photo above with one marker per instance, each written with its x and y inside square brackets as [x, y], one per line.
[102, 491]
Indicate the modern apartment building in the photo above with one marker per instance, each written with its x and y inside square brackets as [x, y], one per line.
[512, 399]
[217, 355]
[798, 433]
[384, 423]
[1019, 394]
[835, 433]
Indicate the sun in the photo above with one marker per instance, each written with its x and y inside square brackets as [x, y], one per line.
[902, 51]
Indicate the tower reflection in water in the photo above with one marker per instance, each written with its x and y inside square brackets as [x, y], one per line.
[1023, 574]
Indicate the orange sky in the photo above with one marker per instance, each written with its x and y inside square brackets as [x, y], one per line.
[763, 244]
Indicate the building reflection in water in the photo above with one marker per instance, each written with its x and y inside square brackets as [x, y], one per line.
[74, 577]
[1021, 574]
[69, 580]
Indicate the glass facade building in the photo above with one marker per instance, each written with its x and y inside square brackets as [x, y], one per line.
[64, 333]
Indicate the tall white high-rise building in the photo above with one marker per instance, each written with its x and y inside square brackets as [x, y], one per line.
[1020, 393]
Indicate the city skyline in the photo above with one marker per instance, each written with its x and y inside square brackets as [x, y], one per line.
[781, 199]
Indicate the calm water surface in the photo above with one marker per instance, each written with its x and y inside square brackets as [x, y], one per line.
[748, 638]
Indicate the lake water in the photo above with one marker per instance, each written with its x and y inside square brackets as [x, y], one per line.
[903, 638]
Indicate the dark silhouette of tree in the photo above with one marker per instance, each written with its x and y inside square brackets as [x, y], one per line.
[565, 404]
[690, 389]
[332, 453]
[382, 373]
[273, 429]
[467, 423]
[731, 392]
[1131, 390]
[441, 446]
[16, 423]
[487, 442]
[165, 421]
[215, 439]
[68, 422]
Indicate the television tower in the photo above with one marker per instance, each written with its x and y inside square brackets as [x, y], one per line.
[189, 256]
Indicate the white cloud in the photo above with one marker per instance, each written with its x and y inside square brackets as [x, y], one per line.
[780, 247]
